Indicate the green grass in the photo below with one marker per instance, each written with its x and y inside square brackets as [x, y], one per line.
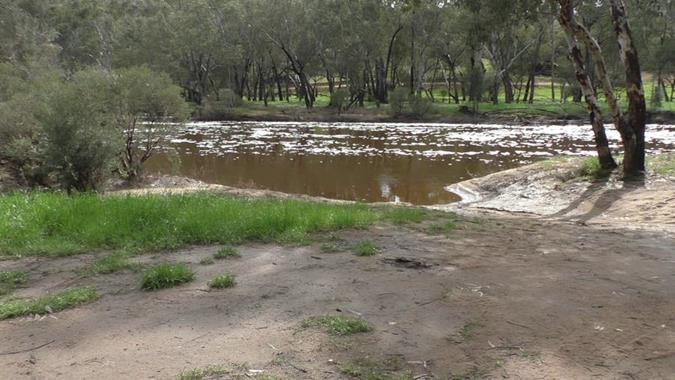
[207, 261]
[442, 228]
[662, 164]
[51, 303]
[9, 280]
[54, 224]
[113, 263]
[222, 282]
[404, 215]
[226, 253]
[166, 276]
[338, 325]
[365, 248]
[203, 373]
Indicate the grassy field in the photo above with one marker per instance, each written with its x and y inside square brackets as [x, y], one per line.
[543, 106]
[54, 224]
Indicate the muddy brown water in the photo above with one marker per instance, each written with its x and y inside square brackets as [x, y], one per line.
[370, 162]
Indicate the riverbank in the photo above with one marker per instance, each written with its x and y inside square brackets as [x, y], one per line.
[572, 189]
[508, 114]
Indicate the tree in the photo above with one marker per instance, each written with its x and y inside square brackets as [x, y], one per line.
[144, 105]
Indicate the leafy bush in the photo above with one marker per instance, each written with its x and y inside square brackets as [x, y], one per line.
[137, 95]
[339, 99]
[419, 106]
[218, 108]
[398, 100]
[81, 144]
[166, 276]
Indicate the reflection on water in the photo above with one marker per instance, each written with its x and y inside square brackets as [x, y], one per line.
[369, 162]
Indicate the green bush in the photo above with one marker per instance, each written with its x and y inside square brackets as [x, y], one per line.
[339, 99]
[419, 106]
[81, 145]
[398, 100]
[166, 276]
[218, 108]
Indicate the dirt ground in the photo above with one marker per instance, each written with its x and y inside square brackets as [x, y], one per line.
[553, 279]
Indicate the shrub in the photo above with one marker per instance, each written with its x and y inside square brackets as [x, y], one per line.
[137, 95]
[398, 100]
[339, 99]
[220, 107]
[222, 282]
[80, 144]
[166, 276]
[419, 106]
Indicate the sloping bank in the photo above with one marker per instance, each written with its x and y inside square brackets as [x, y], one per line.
[571, 188]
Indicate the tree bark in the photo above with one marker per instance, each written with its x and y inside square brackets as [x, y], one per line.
[634, 144]
[601, 143]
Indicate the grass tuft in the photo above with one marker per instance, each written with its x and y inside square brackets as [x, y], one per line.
[166, 276]
[207, 261]
[226, 253]
[365, 248]
[114, 263]
[10, 280]
[47, 304]
[365, 369]
[330, 248]
[203, 373]
[55, 224]
[338, 325]
[222, 282]
[404, 215]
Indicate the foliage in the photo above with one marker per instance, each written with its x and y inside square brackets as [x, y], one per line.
[365, 248]
[204, 373]
[338, 325]
[166, 276]
[419, 106]
[51, 303]
[222, 282]
[80, 143]
[9, 280]
[112, 263]
[226, 253]
[398, 100]
[55, 224]
[339, 99]
[140, 95]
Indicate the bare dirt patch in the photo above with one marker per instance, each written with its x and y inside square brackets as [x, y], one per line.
[497, 297]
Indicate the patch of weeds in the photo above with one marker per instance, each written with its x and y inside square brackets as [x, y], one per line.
[338, 325]
[50, 303]
[404, 215]
[662, 164]
[469, 330]
[204, 373]
[330, 248]
[590, 168]
[222, 282]
[226, 253]
[207, 261]
[166, 276]
[10, 280]
[113, 263]
[443, 228]
[364, 369]
[365, 248]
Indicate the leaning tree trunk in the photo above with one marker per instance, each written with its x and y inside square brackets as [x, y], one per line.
[634, 159]
[601, 143]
